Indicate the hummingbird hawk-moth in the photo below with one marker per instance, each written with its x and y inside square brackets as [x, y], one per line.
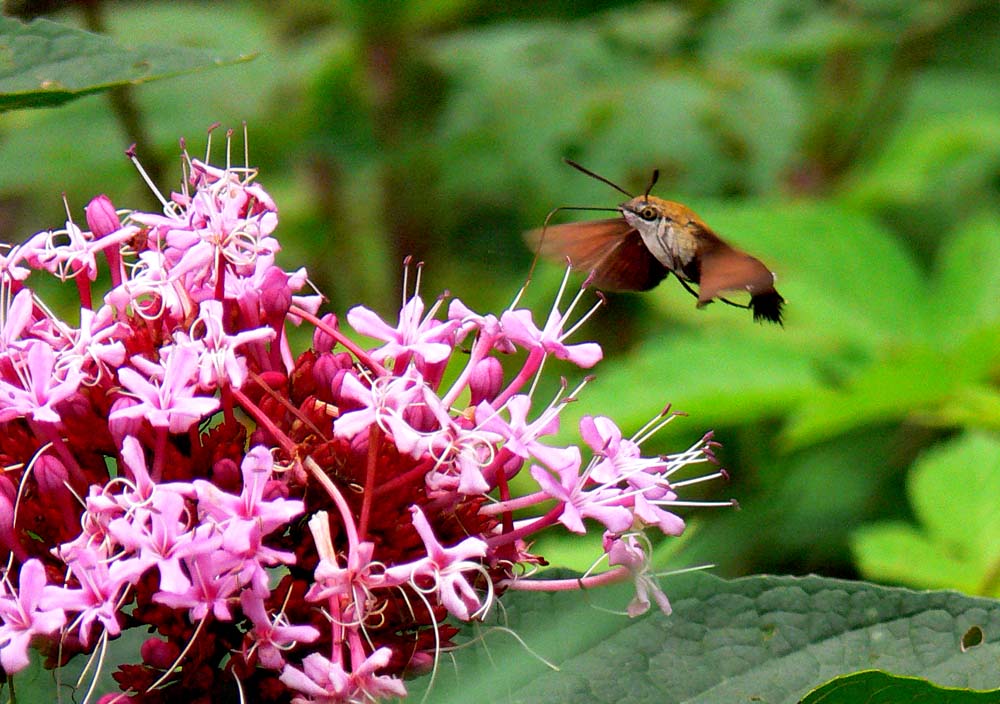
[653, 238]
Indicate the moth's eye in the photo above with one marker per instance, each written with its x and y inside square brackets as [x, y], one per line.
[648, 213]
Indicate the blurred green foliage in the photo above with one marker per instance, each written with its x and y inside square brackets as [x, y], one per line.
[853, 146]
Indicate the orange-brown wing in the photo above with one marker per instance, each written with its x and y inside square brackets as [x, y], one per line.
[727, 269]
[585, 244]
[611, 249]
[722, 268]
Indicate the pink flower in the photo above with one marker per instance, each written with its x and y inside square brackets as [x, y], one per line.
[23, 617]
[40, 388]
[96, 600]
[446, 568]
[428, 340]
[327, 682]
[236, 515]
[214, 583]
[519, 327]
[521, 436]
[271, 637]
[170, 403]
[603, 504]
[626, 551]
[218, 362]
[160, 537]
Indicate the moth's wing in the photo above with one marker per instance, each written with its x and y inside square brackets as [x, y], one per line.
[585, 244]
[732, 270]
[630, 267]
[722, 267]
[609, 249]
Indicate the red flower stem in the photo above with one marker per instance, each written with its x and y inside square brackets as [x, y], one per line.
[263, 420]
[544, 522]
[407, 477]
[309, 463]
[227, 405]
[612, 576]
[113, 256]
[503, 487]
[83, 288]
[374, 443]
[220, 277]
[515, 504]
[338, 499]
[359, 353]
[159, 454]
[531, 365]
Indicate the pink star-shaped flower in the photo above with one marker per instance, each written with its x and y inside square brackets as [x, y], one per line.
[170, 403]
[22, 617]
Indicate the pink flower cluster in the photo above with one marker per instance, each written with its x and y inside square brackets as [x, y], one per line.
[307, 523]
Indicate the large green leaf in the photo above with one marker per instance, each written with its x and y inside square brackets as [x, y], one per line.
[720, 379]
[933, 377]
[786, 31]
[874, 687]
[887, 390]
[953, 490]
[767, 639]
[844, 274]
[967, 279]
[43, 64]
[933, 160]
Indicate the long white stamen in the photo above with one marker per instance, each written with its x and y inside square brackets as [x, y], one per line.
[149, 182]
[562, 289]
[406, 280]
[229, 149]
[208, 142]
[706, 504]
[583, 319]
[420, 272]
[246, 147]
[652, 427]
[517, 297]
[698, 480]
[537, 377]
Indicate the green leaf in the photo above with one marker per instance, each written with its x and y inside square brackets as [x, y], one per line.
[967, 278]
[956, 544]
[555, 65]
[785, 31]
[842, 273]
[972, 407]
[766, 639]
[929, 160]
[874, 687]
[43, 64]
[36, 683]
[721, 379]
[927, 381]
[888, 390]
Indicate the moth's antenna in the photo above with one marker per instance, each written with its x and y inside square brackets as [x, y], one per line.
[600, 178]
[652, 182]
